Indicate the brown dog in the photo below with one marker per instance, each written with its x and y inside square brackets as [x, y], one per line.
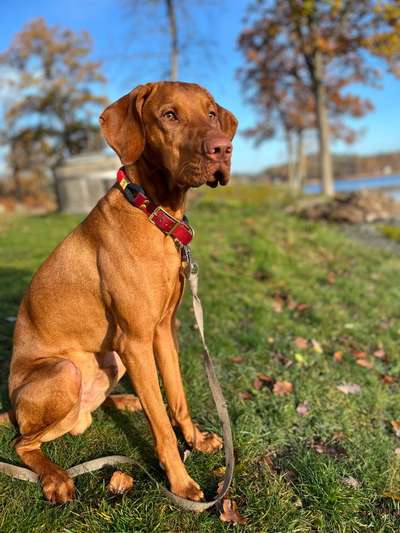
[105, 300]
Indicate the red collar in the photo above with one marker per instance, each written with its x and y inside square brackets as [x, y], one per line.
[179, 230]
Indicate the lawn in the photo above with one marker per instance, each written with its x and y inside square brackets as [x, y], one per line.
[285, 300]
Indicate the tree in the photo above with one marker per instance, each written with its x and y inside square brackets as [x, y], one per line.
[321, 45]
[51, 111]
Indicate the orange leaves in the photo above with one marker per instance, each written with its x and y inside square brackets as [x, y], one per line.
[230, 513]
[282, 388]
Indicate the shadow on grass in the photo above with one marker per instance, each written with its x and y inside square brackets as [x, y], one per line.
[13, 282]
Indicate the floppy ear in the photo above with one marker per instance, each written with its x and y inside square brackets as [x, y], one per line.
[228, 121]
[122, 127]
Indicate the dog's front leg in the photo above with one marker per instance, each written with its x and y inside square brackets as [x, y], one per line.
[138, 359]
[165, 347]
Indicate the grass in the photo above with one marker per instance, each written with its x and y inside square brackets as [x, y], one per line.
[391, 232]
[254, 258]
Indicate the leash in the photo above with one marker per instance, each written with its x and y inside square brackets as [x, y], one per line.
[190, 272]
[181, 232]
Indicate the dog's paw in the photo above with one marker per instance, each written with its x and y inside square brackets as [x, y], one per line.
[203, 441]
[58, 487]
[188, 489]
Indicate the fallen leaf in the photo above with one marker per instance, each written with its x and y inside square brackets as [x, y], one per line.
[349, 388]
[289, 475]
[359, 354]
[257, 383]
[301, 343]
[303, 409]
[220, 486]
[333, 450]
[302, 308]
[350, 481]
[237, 359]
[186, 454]
[391, 495]
[396, 427]
[338, 435]
[299, 358]
[397, 451]
[365, 363]
[283, 388]
[338, 357]
[388, 380]
[246, 395]
[331, 278]
[270, 340]
[380, 354]
[219, 471]
[278, 304]
[120, 483]
[267, 381]
[316, 346]
[178, 323]
[230, 513]
[282, 359]
[291, 304]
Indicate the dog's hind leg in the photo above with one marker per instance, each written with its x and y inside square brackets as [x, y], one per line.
[46, 407]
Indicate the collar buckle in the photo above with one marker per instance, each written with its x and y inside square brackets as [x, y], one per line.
[157, 211]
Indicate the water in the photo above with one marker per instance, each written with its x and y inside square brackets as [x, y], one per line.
[378, 182]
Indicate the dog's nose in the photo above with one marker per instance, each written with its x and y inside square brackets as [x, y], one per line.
[218, 148]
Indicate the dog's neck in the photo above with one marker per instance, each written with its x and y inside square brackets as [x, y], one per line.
[158, 187]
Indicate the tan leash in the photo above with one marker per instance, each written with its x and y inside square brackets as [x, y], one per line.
[191, 274]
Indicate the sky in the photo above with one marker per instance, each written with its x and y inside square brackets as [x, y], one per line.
[133, 46]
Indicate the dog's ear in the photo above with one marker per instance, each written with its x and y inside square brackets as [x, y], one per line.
[122, 127]
[228, 121]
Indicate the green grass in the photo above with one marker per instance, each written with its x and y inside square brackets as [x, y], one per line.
[249, 250]
[391, 232]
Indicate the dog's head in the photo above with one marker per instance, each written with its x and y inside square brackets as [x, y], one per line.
[177, 128]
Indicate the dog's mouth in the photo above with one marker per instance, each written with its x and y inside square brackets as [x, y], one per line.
[220, 176]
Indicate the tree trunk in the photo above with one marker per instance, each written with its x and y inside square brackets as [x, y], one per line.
[17, 184]
[300, 161]
[56, 188]
[174, 40]
[290, 162]
[325, 160]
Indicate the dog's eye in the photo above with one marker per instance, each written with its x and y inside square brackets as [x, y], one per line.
[170, 115]
[212, 115]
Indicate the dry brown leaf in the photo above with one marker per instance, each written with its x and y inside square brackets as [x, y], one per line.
[331, 278]
[391, 495]
[316, 346]
[396, 427]
[349, 388]
[271, 340]
[246, 395]
[301, 343]
[282, 359]
[120, 483]
[333, 450]
[257, 383]
[358, 354]
[365, 363]
[302, 308]
[350, 481]
[266, 379]
[388, 380]
[283, 388]
[303, 409]
[237, 359]
[230, 513]
[397, 451]
[291, 304]
[278, 304]
[380, 354]
[338, 357]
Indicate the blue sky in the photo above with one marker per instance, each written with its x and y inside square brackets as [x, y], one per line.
[134, 49]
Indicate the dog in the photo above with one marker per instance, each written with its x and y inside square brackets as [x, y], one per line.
[104, 302]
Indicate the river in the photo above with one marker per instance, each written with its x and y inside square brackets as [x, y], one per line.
[392, 183]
